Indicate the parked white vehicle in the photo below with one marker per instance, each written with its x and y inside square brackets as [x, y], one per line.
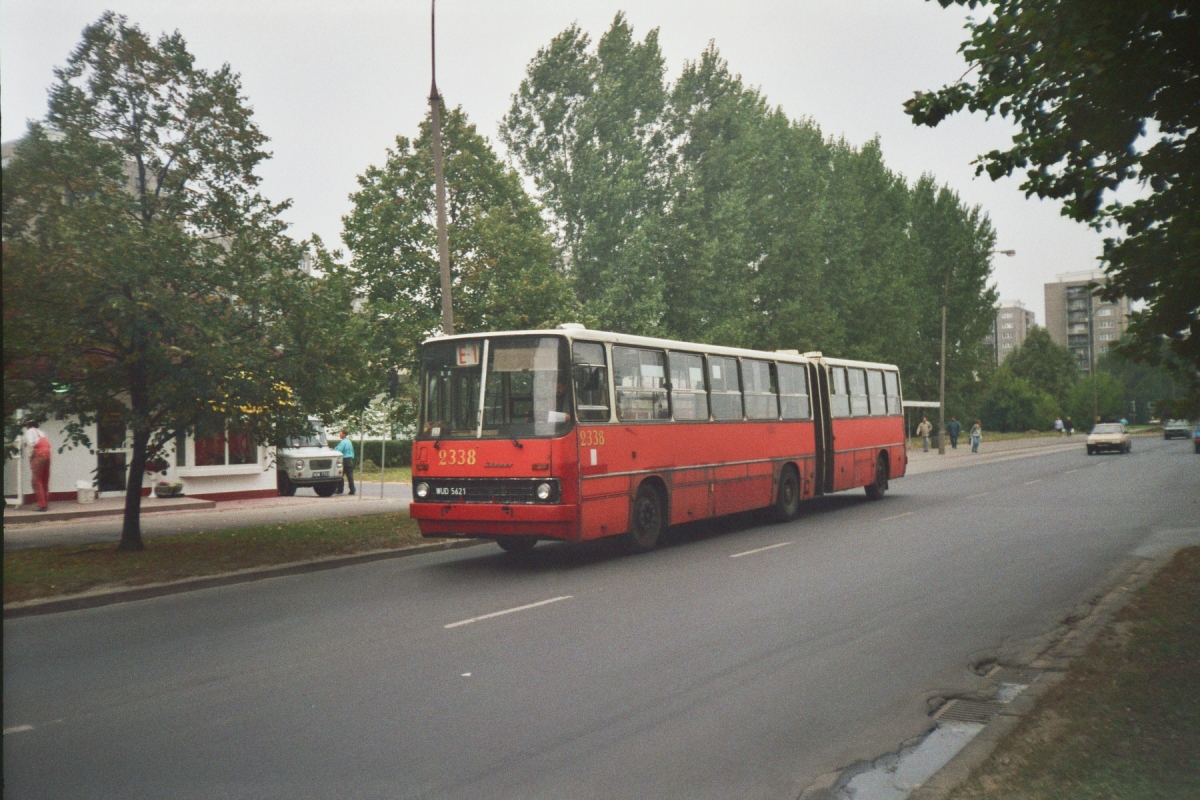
[308, 461]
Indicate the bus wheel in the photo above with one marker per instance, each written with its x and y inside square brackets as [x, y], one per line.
[516, 545]
[325, 489]
[875, 490]
[647, 520]
[787, 502]
[285, 486]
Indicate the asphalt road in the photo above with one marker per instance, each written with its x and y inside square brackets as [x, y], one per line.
[711, 668]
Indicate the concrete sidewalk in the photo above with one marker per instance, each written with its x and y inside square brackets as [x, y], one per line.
[60, 510]
[221, 515]
[920, 462]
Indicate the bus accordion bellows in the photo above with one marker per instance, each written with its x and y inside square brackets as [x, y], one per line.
[573, 434]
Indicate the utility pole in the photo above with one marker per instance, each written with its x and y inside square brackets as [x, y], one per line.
[435, 103]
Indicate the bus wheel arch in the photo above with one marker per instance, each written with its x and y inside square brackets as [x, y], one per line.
[876, 488]
[649, 515]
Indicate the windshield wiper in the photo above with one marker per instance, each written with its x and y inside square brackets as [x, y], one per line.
[516, 442]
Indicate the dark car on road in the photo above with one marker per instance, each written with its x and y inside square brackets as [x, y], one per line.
[1177, 429]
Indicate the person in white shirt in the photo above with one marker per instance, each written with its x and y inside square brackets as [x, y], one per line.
[37, 445]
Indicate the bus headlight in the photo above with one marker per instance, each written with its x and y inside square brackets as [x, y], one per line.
[299, 463]
[422, 490]
[544, 490]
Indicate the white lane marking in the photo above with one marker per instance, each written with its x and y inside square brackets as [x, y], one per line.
[18, 729]
[1030, 483]
[897, 516]
[1070, 471]
[507, 611]
[973, 496]
[759, 550]
[465, 675]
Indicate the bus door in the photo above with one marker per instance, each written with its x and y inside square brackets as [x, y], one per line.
[818, 379]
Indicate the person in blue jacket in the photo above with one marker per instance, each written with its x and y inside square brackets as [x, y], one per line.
[346, 448]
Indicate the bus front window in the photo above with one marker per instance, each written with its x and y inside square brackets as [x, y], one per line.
[451, 371]
[528, 392]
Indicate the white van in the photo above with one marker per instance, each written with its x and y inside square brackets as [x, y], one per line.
[308, 461]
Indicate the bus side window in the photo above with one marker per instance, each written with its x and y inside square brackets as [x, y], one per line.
[875, 393]
[761, 402]
[689, 400]
[839, 393]
[858, 393]
[589, 371]
[793, 391]
[641, 381]
[891, 382]
[724, 388]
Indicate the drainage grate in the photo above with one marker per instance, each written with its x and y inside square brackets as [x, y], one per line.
[978, 711]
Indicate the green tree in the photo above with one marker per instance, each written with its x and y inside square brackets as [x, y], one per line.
[155, 283]
[1014, 404]
[587, 128]
[1109, 397]
[1048, 367]
[502, 256]
[1104, 95]
[739, 226]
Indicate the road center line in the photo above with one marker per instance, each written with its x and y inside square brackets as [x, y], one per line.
[507, 611]
[760, 549]
[18, 729]
[1030, 483]
[973, 496]
[897, 516]
[1071, 471]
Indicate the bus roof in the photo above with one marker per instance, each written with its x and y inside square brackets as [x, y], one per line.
[584, 334]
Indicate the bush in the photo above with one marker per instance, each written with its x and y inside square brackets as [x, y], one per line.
[1110, 397]
[399, 453]
[1012, 404]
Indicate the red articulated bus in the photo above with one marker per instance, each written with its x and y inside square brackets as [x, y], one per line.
[573, 434]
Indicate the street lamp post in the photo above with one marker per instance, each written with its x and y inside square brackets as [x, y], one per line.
[942, 380]
[435, 102]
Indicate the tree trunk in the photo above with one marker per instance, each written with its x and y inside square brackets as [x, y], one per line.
[131, 529]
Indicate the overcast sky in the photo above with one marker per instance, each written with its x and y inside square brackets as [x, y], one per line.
[333, 83]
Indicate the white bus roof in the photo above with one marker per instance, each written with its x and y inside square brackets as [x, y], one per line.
[585, 334]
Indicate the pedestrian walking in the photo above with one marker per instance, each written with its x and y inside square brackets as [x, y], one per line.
[954, 428]
[346, 448]
[37, 445]
[1070, 426]
[923, 430]
[1058, 426]
[976, 436]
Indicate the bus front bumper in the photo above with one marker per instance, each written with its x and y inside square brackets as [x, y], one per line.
[487, 520]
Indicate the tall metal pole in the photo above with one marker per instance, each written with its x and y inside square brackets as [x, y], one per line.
[435, 103]
[1092, 357]
[942, 390]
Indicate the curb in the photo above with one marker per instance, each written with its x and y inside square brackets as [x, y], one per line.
[102, 597]
[18, 518]
[1052, 662]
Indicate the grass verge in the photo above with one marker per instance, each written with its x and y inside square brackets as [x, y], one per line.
[53, 571]
[390, 475]
[1125, 720]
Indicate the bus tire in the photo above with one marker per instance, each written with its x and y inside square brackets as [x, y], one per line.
[284, 485]
[876, 488]
[787, 499]
[516, 545]
[647, 525]
[325, 489]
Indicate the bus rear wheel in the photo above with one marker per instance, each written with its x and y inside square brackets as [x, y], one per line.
[787, 501]
[516, 545]
[647, 520]
[876, 489]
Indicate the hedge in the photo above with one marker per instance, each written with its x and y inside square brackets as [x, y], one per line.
[399, 452]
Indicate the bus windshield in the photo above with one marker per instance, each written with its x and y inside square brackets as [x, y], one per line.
[527, 392]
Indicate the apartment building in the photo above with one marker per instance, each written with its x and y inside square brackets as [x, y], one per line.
[1077, 318]
[1010, 326]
